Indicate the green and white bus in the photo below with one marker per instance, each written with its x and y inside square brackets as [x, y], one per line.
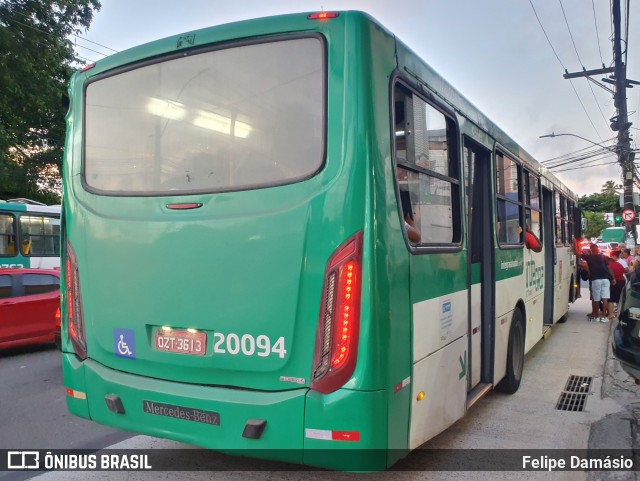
[291, 238]
[29, 234]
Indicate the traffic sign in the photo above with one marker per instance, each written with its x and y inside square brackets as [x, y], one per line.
[628, 215]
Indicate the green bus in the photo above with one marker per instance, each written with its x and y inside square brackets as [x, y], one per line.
[290, 238]
[29, 234]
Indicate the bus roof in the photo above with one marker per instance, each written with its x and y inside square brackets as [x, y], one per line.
[272, 25]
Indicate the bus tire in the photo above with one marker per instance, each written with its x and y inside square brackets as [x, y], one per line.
[565, 316]
[572, 291]
[515, 355]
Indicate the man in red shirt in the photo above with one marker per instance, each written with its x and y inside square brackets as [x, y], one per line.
[616, 289]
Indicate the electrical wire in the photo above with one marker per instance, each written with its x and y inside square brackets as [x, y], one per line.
[584, 167]
[562, 65]
[588, 158]
[598, 105]
[570, 34]
[547, 37]
[560, 157]
[585, 110]
[55, 36]
[626, 34]
[595, 21]
[46, 46]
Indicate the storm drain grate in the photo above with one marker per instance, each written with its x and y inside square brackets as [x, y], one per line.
[574, 396]
[578, 384]
[571, 401]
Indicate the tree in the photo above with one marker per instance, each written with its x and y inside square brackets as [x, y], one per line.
[595, 224]
[599, 203]
[36, 60]
[610, 188]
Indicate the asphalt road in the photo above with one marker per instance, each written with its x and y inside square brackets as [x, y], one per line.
[33, 415]
[33, 411]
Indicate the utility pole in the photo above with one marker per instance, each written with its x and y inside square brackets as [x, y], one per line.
[620, 121]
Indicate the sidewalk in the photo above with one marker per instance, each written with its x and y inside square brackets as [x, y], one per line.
[530, 419]
[620, 429]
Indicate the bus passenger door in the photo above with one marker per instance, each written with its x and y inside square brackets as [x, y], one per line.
[478, 179]
[549, 243]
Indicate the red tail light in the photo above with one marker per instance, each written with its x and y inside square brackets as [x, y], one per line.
[77, 332]
[57, 318]
[323, 15]
[336, 350]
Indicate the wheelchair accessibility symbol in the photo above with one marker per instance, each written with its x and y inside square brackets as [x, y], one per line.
[124, 343]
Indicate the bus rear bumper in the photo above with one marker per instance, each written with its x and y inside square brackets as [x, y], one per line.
[211, 417]
[345, 430]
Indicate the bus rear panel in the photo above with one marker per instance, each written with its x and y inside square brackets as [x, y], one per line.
[217, 244]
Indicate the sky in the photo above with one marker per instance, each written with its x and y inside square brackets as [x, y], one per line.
[507, 57]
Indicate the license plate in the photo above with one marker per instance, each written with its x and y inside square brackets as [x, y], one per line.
[181, 342]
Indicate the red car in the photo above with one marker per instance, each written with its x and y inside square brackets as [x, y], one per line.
[29, 303]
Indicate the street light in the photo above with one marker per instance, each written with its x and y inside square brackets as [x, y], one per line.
[612, 148]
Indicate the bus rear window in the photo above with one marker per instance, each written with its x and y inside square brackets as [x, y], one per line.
[243, 117]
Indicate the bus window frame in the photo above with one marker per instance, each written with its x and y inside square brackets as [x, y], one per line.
[500, 197]
[527, 174]
[203, 49]
[457, 224]
[570, 222]
[13, 235]
[44, 236]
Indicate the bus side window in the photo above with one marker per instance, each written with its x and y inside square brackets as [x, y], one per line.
[508, 205]
[427, 174]
[7, 236]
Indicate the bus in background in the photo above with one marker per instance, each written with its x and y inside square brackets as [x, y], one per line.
[291, 238]
[29, 234]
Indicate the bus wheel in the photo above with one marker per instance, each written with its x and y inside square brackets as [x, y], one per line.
[572, 291]
[515, 355]
[565, 316]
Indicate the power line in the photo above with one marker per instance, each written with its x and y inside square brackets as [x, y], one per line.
[43, 45]
[626, 34]
[582, 151]
[72, 34]
[545, 34]
[562, 65]
[589, 158]
[585, 110]
[580, 158]
[597, 33]
[570, 34]
[584, 167]
[598, 105]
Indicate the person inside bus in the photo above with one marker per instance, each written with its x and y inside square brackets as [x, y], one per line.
[26, 247]
[531, 240]
[407, 212]
[11, 246]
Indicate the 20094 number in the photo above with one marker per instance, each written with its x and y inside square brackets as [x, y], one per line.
[247, 345]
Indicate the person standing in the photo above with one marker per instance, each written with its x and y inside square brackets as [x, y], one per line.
[616, 290]
[599, 274]
[627, 260]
